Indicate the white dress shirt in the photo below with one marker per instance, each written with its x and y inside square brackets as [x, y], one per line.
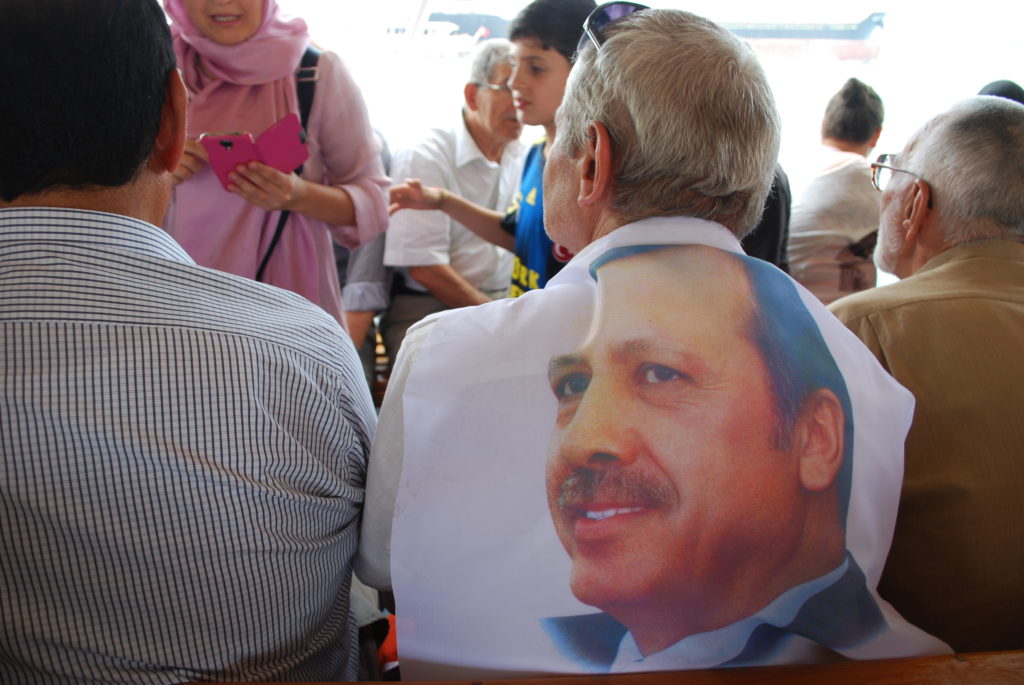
[450, 159]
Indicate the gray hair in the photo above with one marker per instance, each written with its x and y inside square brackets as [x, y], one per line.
[692, 119]
[972, 158]
[488, 56]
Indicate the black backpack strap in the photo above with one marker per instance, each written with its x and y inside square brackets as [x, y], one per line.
[305, 86]
[305, 82]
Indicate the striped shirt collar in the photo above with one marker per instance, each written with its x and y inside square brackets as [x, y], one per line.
[86, 228]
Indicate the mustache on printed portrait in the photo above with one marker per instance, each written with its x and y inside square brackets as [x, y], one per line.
[623, 487]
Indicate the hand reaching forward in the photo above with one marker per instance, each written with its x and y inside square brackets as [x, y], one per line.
[414, 195]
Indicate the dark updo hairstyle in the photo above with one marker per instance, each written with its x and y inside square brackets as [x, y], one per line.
[853, 114]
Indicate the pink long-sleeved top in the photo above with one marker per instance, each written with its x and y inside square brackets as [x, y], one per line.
[223, 231]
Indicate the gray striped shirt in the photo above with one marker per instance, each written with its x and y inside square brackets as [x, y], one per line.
[182, 464]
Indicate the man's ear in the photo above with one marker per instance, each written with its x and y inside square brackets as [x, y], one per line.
[596, 173]
[818, 436]
[916, 210]
[470, 93]
[170, 139]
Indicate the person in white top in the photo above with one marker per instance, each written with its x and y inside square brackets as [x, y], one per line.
[446, 265]
[671, 456]
[835, 214]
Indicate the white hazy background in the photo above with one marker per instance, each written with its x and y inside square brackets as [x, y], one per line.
[930, 56]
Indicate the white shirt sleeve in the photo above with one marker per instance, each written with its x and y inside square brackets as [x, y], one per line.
[419, 237]
[384, 469]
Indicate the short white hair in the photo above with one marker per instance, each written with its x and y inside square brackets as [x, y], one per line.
[488, 56]
[692, 118]
[972, 158]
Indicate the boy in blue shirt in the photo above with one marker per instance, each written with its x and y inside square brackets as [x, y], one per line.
[544, 35]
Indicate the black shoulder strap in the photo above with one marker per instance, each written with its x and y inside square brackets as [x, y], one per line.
[305, 82]
[305, 86]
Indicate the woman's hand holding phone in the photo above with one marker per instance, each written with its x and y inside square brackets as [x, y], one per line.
[259, 171]
[266, 187]
[282, 147]
[192, 161]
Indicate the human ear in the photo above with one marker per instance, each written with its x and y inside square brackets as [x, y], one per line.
[595, 165]
[170, 139]
[818, 437]
[918, 207]
[469, 92]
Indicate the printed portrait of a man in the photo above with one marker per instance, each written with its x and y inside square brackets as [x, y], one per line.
[699, 469]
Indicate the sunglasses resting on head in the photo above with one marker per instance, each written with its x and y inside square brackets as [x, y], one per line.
[601, 17]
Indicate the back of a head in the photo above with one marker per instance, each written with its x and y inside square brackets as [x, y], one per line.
[1004, 89]
[972, 157]
[488, 55]
[84, 82]
[555, 24]
[854, 114]
[690, 113]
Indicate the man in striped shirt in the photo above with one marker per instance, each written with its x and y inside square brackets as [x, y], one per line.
[182, 452]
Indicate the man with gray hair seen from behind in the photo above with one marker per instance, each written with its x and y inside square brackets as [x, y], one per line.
[686, 487]
[182, 451]
[444, 264]
[952, 331]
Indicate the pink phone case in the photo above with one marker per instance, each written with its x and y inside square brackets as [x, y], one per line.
[282, 146]
[227, 151]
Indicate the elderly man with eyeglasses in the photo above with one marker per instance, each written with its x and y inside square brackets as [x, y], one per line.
[441, 263]
[669, 457]
[952, 331]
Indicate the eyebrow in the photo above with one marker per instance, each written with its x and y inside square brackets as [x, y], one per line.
[562, 362]
[639, 347]
[635, 347]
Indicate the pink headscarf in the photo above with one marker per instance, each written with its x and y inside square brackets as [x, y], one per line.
[260, 69]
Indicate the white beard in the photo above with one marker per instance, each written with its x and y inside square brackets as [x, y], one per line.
[887, 251]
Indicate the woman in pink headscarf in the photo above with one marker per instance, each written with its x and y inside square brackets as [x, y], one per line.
[239, 59]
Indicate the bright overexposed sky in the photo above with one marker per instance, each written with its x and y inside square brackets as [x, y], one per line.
[930, 55]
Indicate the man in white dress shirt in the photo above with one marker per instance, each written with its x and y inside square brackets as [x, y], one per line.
[696, 406]
[444, 264]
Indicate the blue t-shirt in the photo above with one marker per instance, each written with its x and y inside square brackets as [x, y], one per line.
[537, 258]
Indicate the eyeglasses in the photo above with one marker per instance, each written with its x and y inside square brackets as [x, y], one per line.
[498, 88]
[881, 171]
[601, 17]
[881, 174]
